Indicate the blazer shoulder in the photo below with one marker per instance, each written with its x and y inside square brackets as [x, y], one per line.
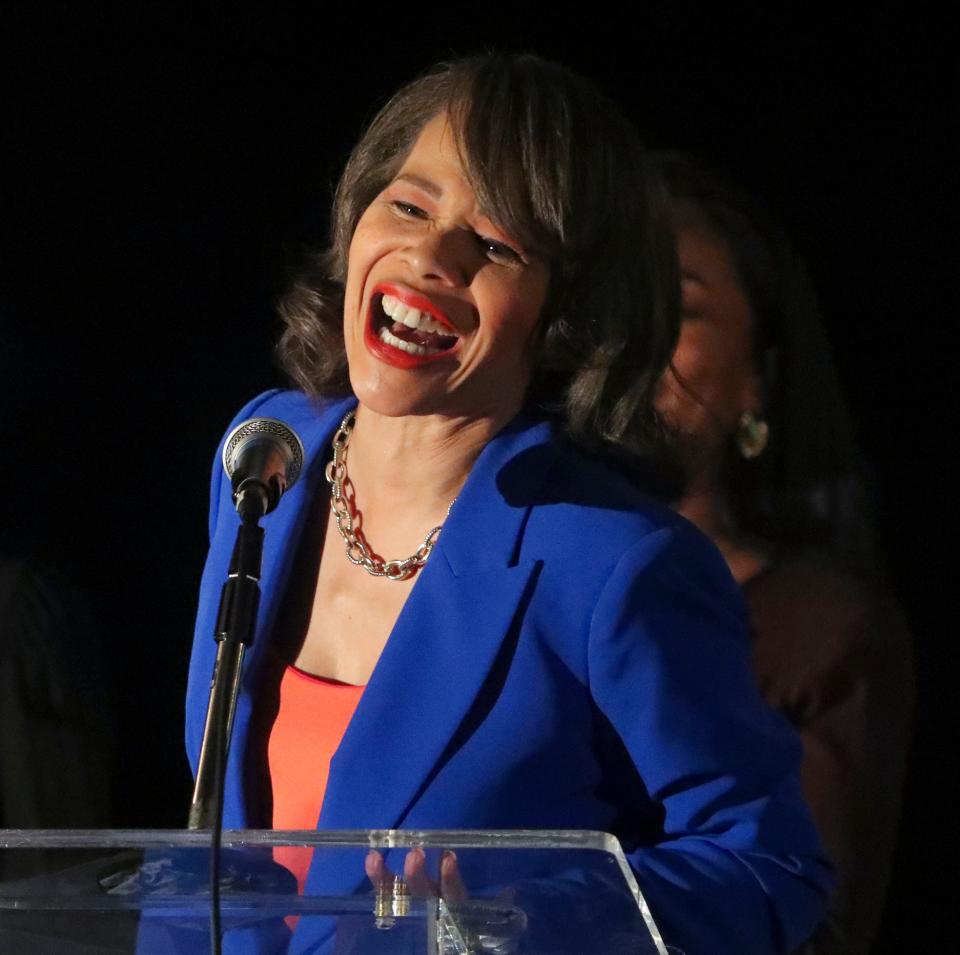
[597, 513]
[595, 500]
[286, 404]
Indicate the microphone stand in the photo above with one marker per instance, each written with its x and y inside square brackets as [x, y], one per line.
[236, 621]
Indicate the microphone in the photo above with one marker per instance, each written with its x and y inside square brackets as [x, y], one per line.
[263, 458]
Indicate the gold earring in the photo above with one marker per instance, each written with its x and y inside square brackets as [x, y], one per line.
[753, 433]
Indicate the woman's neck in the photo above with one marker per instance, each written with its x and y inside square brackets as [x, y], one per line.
[707, 507]
[406, 471]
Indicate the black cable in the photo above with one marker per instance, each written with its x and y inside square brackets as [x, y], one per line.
[216, 833]
[236, 622]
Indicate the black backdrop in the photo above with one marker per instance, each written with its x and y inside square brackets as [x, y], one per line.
[171, 163]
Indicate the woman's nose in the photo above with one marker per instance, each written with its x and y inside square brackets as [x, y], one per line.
[445, 255]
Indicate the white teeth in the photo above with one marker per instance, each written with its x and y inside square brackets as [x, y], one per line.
[427, 324]
[410, 347]
[411, 317]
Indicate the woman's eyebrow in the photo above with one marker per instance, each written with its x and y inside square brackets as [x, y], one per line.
[428, 186]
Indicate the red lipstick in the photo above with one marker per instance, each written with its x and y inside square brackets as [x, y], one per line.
[377, 319]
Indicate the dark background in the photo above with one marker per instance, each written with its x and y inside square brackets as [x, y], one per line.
[170, 164]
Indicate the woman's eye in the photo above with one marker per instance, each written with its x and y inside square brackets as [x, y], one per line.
[409, 209]
[498, 251]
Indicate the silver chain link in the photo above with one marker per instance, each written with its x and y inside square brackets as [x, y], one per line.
[357, 550]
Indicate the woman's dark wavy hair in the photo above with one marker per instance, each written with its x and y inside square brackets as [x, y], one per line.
[555, 164]
[809, 487]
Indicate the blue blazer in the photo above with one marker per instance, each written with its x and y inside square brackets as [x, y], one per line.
[572, 656]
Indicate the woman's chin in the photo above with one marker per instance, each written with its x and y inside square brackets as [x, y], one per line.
[391, 393]
[431, 389]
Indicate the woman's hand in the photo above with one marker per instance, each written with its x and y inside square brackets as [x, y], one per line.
[419, 883]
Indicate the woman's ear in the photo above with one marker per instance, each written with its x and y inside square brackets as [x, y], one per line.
[753, 393]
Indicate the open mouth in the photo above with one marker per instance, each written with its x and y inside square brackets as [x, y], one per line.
[409, 329]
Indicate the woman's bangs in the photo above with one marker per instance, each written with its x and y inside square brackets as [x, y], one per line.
[507, 167]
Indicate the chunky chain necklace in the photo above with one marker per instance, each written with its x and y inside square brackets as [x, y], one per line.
[358, 552]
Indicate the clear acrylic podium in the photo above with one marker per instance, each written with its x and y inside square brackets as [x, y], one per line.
[68, 892]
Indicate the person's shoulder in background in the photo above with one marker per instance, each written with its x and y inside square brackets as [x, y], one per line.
[55, 743]
[818, 627]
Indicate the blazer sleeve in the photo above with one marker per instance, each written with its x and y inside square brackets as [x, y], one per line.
[739, 868]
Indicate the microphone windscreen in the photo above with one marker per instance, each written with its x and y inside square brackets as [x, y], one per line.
[265, 451]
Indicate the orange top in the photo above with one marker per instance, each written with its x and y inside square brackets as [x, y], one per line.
[313, 716]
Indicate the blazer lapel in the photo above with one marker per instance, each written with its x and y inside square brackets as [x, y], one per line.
[431, 670]
[443, 645]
